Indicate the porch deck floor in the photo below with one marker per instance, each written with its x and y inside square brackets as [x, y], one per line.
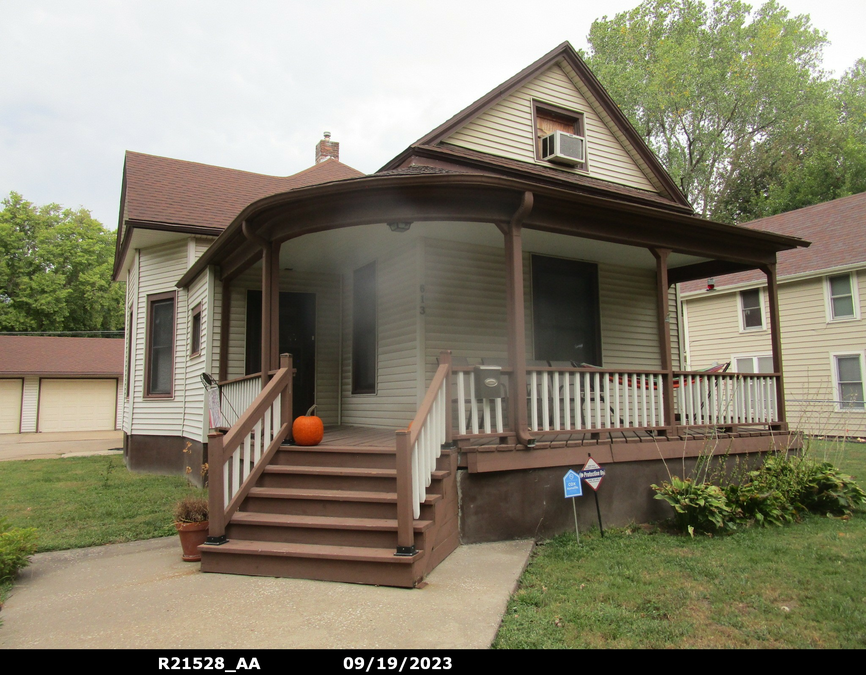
[357, 437]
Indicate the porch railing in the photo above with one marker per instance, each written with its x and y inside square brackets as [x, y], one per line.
[237, 458]
[238, 395]
[604, 399]
[725, 399]
[418, 449]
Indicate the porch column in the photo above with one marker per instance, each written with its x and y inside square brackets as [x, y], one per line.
[517, 320]
[664, 328]
[225, 325]
[776, 338]
[275, 306]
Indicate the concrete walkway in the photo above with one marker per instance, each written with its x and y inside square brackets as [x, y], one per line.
[61, 444]
[141, 595]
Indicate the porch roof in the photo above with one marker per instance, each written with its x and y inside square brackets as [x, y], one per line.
[415, 194]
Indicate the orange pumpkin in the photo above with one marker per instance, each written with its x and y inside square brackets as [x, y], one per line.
[308, 430]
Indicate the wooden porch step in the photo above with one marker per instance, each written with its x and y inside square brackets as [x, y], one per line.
[325, 522]
[378, 479]
[322, 502]
[313, 561]
[325, 455]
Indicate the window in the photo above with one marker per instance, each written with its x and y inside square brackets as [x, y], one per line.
[130, 336]
[364, 330]
[840, 292]
[159, 353]
[195, 332]
[849, 381]
[753, 364]
[549, 118]
[751, 310]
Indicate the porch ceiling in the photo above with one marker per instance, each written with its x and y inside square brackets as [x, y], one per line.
[346, 249]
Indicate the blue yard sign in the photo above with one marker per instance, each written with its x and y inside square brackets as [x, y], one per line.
[572, 485]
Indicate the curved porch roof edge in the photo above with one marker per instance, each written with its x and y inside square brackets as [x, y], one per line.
[473, 197]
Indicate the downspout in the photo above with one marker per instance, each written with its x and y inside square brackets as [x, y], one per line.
[517, 318]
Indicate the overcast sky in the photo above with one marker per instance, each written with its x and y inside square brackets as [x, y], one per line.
[252, 85]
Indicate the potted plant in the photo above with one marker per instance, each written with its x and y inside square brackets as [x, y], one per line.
[191, 522]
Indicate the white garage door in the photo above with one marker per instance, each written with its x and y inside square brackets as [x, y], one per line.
[77, 405]
[10, 406]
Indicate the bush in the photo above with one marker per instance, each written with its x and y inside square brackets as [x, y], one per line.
[16, 546]
[697, 505]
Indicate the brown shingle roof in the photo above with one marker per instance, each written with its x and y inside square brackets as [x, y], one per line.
[173, 191]
[39, 355]
[836, 229]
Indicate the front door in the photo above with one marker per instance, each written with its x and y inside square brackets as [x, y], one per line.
[565, 310]
[297, 337]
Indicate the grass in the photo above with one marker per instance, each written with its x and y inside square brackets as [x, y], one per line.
[797, 586]
[87, 501]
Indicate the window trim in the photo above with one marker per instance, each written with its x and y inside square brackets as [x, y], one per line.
[579, 130]
[130, 338]
[356, 389]
[741, 310]
[195, 313]
[837, 392]
[828, 298]
[151, 300]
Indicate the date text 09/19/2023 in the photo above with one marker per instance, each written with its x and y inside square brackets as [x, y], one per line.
[407, 663]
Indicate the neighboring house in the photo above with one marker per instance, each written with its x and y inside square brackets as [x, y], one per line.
[821, 294]
[533, 229]
[60, 384]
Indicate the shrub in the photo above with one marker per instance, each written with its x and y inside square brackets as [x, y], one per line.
[697, 505]
[16, 546]
[191, 509]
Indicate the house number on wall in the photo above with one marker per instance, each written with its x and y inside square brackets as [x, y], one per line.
[421, 310]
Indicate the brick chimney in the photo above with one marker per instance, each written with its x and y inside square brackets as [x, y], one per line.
[327, 148]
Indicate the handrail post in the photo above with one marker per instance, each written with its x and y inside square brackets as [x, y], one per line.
[445, 359]
[286, 406]
[405, 515]
[216, 490]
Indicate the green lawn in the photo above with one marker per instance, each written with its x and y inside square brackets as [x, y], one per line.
[797, 586]
[87, 501]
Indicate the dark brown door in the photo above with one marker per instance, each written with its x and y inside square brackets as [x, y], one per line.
[297, 337]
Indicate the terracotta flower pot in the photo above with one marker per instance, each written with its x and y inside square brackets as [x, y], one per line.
[192, 535]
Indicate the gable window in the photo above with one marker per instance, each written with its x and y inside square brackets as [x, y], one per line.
[548, 119]
[849, 381]
[159, 353]
[364, 330]
[841, 300]
[195, 331]
[751, 310]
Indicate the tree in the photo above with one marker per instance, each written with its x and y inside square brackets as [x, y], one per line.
[820, 157]
[706, 85]
[55, 270]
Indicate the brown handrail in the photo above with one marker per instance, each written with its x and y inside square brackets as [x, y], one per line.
[222, 446]
[405, 441]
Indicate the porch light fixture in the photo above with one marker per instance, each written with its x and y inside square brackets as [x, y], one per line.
[399, 227]
[711, 284]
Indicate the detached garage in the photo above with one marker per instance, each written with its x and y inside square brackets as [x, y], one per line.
[51, 384]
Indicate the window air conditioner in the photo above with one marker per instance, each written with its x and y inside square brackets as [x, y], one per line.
[563, 148]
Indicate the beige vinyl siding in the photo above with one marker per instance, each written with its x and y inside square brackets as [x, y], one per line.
[674, 323]
[194, 400]
[505, 129]
[397, 290]
[466, 310]
[130, 343]
[30, 405]
[159, 268]
[629, 323]
[326, 287]
[809, 342]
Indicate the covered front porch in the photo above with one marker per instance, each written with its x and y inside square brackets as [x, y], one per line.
[439, 325]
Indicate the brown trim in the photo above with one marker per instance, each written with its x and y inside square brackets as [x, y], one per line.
[148, 343]
[704, 270]
[122, 247]
[193, 338]
[478, 198]
[776, 336]
[129, 341]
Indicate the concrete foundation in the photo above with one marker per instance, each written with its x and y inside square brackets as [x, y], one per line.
[167, 455]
